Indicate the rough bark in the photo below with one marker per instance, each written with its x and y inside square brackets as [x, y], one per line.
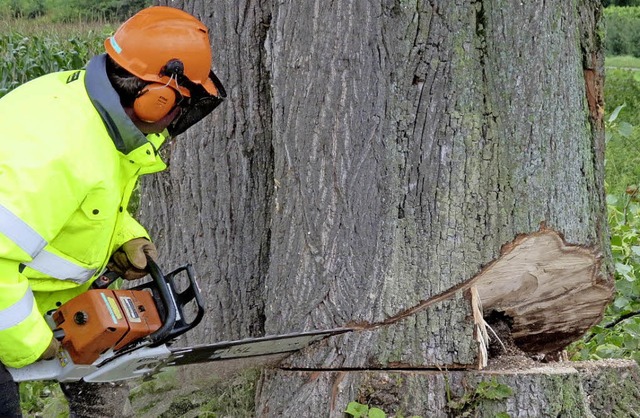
[372, 163]
[212, 208]
[558, 390]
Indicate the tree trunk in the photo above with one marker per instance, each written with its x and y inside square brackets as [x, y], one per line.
[397, 167]
[213, 207]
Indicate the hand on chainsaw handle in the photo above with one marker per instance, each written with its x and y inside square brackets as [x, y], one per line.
[130, 260]
[51, 350]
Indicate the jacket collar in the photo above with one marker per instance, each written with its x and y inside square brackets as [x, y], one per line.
[125, 135]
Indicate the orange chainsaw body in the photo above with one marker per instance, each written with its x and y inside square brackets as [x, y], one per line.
[100, 319]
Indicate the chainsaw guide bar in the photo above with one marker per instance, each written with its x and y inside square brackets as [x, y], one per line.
[253, 347]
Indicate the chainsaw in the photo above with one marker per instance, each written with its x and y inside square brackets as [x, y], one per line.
[111, 335]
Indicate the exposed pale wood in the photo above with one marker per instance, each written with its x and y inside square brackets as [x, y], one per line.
[552, 291]
[481, 334]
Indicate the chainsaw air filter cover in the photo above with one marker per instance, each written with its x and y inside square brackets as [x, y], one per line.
[100, 319]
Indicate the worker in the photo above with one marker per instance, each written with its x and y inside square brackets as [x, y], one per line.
[72, 146]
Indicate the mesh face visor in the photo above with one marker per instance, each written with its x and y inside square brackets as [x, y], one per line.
[196, 107]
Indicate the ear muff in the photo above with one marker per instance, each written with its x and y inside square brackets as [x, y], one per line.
[154, 102]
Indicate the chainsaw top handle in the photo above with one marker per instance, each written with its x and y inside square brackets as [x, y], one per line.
[172, 303]
[168, 302]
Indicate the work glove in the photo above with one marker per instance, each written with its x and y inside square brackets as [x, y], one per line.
[51, 350]
[130, 260]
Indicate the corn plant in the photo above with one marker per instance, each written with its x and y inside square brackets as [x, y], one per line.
[24, 57]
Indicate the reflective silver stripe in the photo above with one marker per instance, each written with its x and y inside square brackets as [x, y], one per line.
[18, 312]
[60, 268]
[19, 232]
[33, 244]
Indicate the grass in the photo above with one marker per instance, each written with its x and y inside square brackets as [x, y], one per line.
[44, 26]
[623, 61]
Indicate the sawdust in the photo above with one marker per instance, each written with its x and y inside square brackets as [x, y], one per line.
[504, 353]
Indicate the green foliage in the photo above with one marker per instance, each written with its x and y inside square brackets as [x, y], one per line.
[622, 31]
[622, 61]
[622, 98]
[29, 9]
[358, 410]
[164, 396]
[90, 10]
[72, 10]
[622, 87]
[607, 3]
[43, 399]
[486, 391]
[24, 57]
[616, 338]
[493, 390]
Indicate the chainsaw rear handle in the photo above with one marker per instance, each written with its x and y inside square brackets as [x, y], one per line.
[105, 280]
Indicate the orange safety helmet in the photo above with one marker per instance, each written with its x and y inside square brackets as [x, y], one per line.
[144, 44]
[168, 48]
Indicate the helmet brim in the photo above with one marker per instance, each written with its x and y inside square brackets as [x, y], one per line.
[210, 87]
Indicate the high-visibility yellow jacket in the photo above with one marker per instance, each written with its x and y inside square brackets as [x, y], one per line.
[69, 160]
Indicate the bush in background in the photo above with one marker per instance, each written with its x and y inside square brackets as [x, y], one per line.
[72, 10]
[19, 9]
[607, 3]
[622, 31]
[92, 10]
[622, 158]
[618, 335]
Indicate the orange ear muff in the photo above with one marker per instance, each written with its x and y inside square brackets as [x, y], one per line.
[154, 102]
